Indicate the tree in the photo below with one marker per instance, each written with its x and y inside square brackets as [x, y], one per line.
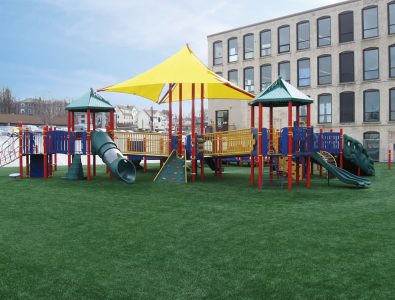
[7, 102]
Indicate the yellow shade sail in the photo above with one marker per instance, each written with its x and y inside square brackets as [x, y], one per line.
[183, 67]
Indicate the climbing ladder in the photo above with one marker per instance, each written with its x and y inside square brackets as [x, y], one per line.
[9, 151]
[329, 158]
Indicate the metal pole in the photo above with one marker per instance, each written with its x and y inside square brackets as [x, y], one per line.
[260, 158]
[193, 134]
[88, 144]
[289, 145]
[180, 120]
[170, 115]
[202, 127]
[20, 134]
[252, 162]
[310, 146]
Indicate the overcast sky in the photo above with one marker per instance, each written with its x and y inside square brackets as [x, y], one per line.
[61, 48]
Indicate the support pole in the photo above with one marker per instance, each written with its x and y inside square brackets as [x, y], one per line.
[389, 159]
[260, 158]
[27, 154]
[297, 144]
[193, 162]
[271, 148]
[202, 127]
[180, 120]
[289, 145]
[56, 158]
[49, 137]
[341, 149]
[68, 139]
[309, 147]
[252, 159]
[20, 136]
[45, 130]
[112, 128]
[94, 128]
[170, 115]
[88, 144]
[321, 145]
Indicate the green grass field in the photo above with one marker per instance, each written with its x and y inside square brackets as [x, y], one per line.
[219, 239]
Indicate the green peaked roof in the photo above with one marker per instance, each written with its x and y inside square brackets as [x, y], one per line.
[279, 93]
[92, 101]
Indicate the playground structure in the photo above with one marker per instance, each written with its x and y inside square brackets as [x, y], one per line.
[288, 152]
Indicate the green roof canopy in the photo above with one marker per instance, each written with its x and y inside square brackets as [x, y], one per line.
[92, 101]
[279, 93]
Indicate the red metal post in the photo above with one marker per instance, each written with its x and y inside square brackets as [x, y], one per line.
[20, 136]
[308, 160]
[49, 137]
[94, 128]
[170, 115]
[88, 143]
[359, 171]
[321, 145]
[252, 159]
[193, 135]
[289, 145]
[45, 130]
[112, 134]
[180, 120]
[341, 149]
[271, 148]
[260, 157]
[27, 154]
[202, 127]
[55, 158]
[297, 145]
[68, 139]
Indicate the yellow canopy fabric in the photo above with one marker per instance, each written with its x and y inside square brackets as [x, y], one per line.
[183, 67]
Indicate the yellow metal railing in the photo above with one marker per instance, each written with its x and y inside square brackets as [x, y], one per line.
[142, 143]
[226, 143]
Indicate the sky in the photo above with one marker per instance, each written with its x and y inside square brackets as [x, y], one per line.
[59, 49]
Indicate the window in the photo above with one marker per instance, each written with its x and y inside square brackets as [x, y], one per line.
[249, 79]
[371, 106]
[303, 113]
[324, 69]
[371, 142]
[304, 72]
[324, 31]
[217, 48]
[219, 73]
[347, 107]
[232, 50]
[391, 17]
[221, 120]
[324, 108]
[232, 77]
[303, 33]
[284, 70]
[346, 66]
[392, 104]
[370, 63]
[248, 46]
[370, 22]
[266, 43]
[346, 27]
[266, 76]
[283, 39]
[392, 60]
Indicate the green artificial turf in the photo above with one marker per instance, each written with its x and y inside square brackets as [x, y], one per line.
[218, 239]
